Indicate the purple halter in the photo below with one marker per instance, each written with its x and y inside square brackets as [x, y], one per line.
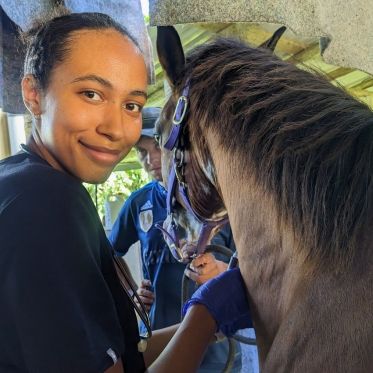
[178, 119]
[175, 179]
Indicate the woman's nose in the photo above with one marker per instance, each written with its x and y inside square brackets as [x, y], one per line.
[112, 125]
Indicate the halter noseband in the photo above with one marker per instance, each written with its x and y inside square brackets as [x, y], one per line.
[174, 143]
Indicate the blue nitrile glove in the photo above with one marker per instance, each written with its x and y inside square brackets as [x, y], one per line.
[225, 298]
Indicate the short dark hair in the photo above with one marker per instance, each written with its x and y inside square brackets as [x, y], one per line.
[48, 40]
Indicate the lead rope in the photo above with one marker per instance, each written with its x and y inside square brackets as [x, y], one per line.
[129, 288]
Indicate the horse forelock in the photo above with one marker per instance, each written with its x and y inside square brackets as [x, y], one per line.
[307, 142]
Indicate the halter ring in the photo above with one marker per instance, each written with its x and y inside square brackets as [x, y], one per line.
[180, 110]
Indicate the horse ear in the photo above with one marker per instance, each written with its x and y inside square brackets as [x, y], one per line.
[170, 52]
[272, 41]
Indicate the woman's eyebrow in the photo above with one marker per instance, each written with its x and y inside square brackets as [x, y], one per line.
[139, 93]
[94, 78]
[106, 83]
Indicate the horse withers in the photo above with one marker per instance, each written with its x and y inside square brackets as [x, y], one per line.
[289, 157]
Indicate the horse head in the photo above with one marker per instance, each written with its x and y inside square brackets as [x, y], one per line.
[200, 210]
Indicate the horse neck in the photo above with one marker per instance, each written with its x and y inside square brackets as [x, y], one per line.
[276, 275]
[270, 270]
[290, 297]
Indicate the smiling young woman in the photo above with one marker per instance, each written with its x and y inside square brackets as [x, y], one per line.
[62, 306]
[89, 114]
[85, 85]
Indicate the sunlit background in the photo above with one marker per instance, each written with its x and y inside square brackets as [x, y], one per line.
[145, 7]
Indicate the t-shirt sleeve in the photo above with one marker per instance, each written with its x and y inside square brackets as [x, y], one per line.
[62, 308]
[124, 232]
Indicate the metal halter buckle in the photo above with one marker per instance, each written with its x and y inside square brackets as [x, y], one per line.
[180, 110]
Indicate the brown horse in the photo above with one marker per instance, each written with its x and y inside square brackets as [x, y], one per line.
[289, 157]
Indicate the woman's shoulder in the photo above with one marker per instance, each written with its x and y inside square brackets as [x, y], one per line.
[25, 177]
[29, 171]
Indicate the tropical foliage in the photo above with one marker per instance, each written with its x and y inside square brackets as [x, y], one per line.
[120, 183]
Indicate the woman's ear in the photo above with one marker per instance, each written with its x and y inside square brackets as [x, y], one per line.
[31, 95]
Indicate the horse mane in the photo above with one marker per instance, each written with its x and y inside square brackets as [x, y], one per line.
[307, 142]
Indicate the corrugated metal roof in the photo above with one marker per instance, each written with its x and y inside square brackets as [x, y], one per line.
[345, 28]
[301, 51]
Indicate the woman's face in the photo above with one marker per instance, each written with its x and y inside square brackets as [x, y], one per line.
[91, 109]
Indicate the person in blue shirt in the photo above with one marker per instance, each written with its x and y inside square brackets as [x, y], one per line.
[160, 290]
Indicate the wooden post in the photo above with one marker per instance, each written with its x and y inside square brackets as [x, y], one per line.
[4, 136]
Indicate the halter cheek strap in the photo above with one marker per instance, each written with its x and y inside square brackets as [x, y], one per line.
[178, 119]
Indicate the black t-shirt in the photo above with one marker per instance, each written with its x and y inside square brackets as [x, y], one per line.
[61, 306]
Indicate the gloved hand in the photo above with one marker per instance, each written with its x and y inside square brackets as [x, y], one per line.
[225, 298]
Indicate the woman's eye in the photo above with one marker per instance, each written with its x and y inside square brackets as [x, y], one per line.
[133, 107]
[92, 95]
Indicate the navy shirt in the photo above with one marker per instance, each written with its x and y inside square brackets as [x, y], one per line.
[62, 307]
[136, 222]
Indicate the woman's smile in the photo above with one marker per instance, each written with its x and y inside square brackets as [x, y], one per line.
[101, 155]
